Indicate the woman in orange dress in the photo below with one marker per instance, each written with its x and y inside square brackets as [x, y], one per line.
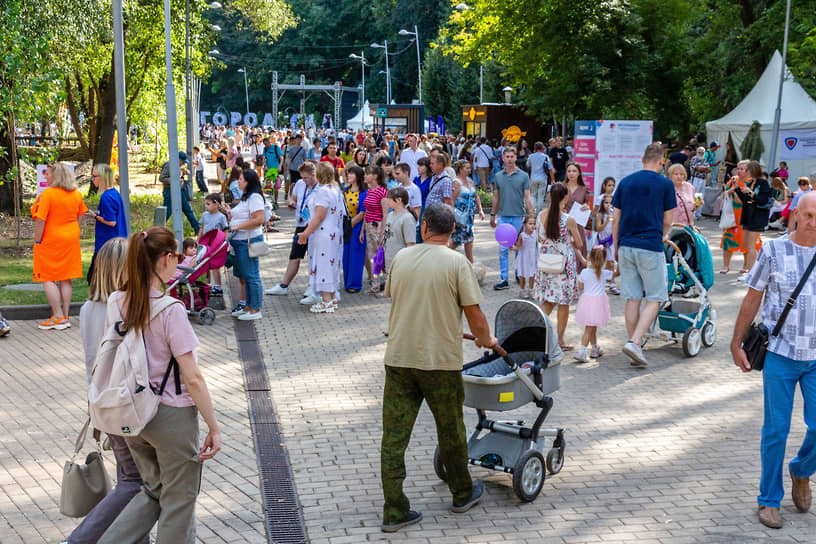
[57, 257]
[731, 241]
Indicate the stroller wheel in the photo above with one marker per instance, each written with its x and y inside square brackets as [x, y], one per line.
[206, 316]
[528, 475]
[691, 341]
[439, 468]
[555, 460]
[709, 333]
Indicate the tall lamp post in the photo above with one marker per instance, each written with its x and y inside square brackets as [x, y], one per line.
[172, 130]
[387, 71]
[361, 56]
[415, 34]
[246, 87]
[778, 111]
[121, 114]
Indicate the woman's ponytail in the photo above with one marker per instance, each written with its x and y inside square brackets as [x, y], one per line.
[144, 250]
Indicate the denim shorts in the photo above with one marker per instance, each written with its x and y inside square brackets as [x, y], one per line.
[643, 274]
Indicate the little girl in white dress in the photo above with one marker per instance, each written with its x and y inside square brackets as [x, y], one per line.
[526, 257]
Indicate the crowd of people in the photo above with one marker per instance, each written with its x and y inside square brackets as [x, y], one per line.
[394, 213]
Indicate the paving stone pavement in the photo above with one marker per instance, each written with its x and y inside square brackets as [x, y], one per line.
[669, 454]
[42, 407]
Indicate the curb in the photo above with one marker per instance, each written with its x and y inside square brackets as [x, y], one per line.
[35, 311]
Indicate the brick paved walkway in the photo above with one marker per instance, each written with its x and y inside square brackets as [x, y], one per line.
[669, 454]
[42, 407]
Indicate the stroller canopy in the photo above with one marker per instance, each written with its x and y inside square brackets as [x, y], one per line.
[525, 332]
[694, 249]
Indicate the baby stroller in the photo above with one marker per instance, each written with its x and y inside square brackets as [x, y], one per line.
[195, 294]
[690, 271]
[526, 368]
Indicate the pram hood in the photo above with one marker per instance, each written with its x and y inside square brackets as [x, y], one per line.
[696, 252]
[525, 332]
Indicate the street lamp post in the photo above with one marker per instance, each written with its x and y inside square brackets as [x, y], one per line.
[246, 87]
[172, 131]
[778, 111]
[361, 56]
[415, 34]
[121, 114]
[387, 71]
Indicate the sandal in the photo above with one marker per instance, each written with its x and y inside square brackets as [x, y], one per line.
[613, 289]
[744, 271]
[724, 271]
[52, 323]
[566, 347]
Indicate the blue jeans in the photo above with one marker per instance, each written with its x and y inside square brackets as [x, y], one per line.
[185, 208]
[249, 272]
[779, 379]
[504, 260]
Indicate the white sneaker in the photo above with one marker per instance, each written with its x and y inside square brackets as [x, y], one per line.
[596, 352]
[634, 352]
[581, 355]
[308, 300]
[742, 277]
[249, 316]
[277, 290]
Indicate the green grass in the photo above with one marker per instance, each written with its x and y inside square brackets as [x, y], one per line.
[19, 268]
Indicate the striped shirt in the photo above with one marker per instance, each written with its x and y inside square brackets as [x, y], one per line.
[373, 204]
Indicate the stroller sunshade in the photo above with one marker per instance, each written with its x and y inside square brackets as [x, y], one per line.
[526, 339]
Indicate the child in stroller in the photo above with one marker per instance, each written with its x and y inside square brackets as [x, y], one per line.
[210, 254]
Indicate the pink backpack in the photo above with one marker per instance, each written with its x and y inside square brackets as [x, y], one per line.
[120, 398]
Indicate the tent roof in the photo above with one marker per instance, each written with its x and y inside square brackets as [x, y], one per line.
[798, 108]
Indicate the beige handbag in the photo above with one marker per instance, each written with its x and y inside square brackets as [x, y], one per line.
[551, 263]
[258, 249]
[84, 485]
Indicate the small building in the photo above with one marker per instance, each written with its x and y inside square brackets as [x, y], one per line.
[504, 121]
[400, 119]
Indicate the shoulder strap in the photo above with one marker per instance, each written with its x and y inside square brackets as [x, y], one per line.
[792, 300]
[156, 307]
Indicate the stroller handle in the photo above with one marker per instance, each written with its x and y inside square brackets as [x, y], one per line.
[498, 349]
[673, 245]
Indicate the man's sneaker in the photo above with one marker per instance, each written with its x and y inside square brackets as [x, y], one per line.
[475, 497]
[249, 316]
[239, 309]
[775, 225]
[394, 526]
[308, 300]
[634, 352]
[278, 290]
[4, 326]
[581, 355]
[596, 352]
[54, 324]
[501, 286]
[216, 290]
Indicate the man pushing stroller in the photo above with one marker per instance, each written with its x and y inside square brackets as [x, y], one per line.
[424, 362]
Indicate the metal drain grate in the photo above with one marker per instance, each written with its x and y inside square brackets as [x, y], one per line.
[282, 513]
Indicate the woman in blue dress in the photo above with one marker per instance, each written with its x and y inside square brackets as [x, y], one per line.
[465, 205]
[110, 219]
[354, 251]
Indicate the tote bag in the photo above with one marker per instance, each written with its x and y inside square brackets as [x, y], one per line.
[727, 219]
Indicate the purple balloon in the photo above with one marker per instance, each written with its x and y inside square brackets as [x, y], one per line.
[506, 235]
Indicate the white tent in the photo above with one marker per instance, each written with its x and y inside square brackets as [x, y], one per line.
[356, 122]
[798, 113]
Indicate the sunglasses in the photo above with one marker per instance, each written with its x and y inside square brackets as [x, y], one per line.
[179, 256]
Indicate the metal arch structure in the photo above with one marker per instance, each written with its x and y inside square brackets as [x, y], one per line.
[335, 92]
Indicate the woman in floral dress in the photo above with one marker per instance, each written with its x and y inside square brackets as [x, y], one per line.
[558, 235]
[325, 238]
[465, 203]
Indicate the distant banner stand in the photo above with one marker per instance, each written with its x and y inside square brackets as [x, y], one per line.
[610, 148]
[42, 185]
[797, 144]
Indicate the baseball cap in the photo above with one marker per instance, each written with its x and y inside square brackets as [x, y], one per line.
[182, 156]
[713, 145]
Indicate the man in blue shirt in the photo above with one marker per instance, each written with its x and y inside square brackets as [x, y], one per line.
[642, 216]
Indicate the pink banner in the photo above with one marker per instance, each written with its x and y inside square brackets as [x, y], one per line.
[587, 165]
[584, 146]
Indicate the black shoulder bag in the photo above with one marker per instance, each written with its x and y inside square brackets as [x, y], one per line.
[755, 342]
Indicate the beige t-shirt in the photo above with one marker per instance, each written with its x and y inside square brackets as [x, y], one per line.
[428, 286]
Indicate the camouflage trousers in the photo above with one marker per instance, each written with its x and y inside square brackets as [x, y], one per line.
[443, 390]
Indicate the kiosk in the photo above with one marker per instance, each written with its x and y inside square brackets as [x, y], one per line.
[400, 119]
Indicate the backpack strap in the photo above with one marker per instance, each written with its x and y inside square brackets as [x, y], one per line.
[157, 306]
[174, 367]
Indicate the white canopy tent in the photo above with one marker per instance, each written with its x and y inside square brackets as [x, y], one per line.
[798, 113]
[356, 122]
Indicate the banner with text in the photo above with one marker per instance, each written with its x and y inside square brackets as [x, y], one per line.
[610, 148]
[797, 144]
